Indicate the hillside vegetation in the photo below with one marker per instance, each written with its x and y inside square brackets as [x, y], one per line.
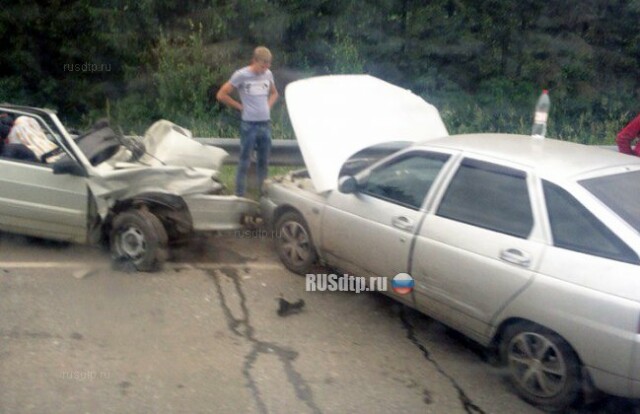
[482, 62]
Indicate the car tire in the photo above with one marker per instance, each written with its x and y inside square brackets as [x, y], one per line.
[541, 366]
[294, 243]
[138, 237]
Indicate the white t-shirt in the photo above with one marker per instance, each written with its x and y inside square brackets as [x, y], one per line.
[254, 93]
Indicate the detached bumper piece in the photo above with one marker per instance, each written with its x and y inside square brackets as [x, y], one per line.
[217, 213]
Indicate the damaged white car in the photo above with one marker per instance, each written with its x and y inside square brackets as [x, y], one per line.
[139, 195]
[527, 245]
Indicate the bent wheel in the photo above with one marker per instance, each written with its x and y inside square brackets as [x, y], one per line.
[139, 237]
[294, 244]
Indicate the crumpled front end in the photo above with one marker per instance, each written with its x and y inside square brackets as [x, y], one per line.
[173, 164]
[125, 183]
[169, 144]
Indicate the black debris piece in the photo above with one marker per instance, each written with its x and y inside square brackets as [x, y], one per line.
[286, 308]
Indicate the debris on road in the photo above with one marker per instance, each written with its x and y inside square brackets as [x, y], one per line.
[286, 308]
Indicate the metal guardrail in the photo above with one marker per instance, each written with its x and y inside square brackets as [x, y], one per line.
[287, 152]
[283, 151]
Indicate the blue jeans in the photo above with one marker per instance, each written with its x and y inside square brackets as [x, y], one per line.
[253, 136]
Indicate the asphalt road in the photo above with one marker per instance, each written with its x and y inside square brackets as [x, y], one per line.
[203, 336]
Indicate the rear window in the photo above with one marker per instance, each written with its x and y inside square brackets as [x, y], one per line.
[620, 192]
[576, 228]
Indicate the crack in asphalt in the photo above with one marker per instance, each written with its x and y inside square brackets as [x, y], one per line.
[242, 327]
[469, 406]
[16, 333]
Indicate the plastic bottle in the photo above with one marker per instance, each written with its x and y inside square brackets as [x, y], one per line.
[539, 128]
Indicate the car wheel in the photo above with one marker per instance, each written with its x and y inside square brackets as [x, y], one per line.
[294, 244]
[138, 237]
[542, 367]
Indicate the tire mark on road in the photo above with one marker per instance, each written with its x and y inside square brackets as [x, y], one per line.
[469, 406]
[242, 327]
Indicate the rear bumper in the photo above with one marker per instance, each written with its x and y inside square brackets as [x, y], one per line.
[214, 212]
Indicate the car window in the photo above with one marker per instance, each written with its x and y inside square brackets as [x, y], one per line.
[18, 152]
[620, 192]
[489, 196]
[575, 228]
[405, 180]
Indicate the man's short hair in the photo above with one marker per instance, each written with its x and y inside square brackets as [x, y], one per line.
[262, 54]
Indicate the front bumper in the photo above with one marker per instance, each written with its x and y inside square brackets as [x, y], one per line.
[218, 213]
[267, 211]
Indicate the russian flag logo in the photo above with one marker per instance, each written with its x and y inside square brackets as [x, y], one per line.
[402, 283]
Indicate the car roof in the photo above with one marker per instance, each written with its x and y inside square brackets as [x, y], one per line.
[561, 159]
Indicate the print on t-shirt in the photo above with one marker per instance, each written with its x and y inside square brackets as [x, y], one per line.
[256, 88]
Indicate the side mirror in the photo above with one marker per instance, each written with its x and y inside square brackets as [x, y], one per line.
[347, 184]
[68, 166]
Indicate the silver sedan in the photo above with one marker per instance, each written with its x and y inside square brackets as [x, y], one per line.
[527, 245]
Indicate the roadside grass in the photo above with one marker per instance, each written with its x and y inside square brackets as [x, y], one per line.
[582, 128]
[227, 177]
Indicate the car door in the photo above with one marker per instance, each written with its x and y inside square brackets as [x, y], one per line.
[35, 201]
[370, 232]
[479, 247]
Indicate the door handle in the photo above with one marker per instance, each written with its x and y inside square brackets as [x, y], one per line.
[402, 223]
[516, 257]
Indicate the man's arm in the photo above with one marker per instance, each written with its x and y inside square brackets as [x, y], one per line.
[224, 96]
[627, 135]
[273, 95]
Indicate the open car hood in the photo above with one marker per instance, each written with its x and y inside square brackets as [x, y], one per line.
[336, 116]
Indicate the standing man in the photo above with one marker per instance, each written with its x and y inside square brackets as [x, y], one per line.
[258, 93]
[627, 136]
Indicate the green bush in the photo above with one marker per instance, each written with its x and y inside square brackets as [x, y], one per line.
[183, 79]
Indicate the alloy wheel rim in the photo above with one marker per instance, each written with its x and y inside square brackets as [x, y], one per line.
[294, 242]
[537, 364]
